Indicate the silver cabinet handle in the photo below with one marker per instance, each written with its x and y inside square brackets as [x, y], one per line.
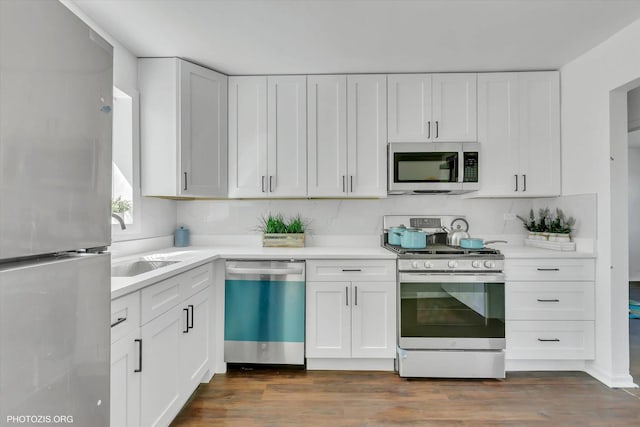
[271, 183]
[429, 129]
[185, 181]
[139, 341]
[351, 179]
[118, 321]
[516, 175]
[548, 340]
[436, 129]
[548, 269]
[356, 296]
[344, 180]
[263, 177]
[524, 182]
[548, 300]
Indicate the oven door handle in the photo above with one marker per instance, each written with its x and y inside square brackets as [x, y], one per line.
[452, 278]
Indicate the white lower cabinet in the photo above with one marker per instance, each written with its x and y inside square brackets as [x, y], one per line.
[161, 361]
[550, 310]
[350, 318]
[125, 381]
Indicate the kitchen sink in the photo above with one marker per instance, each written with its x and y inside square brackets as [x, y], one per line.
[134, 268]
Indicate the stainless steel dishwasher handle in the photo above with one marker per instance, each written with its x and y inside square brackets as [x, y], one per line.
[270, 271]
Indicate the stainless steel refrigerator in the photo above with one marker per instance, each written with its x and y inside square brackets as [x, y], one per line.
[56, 82]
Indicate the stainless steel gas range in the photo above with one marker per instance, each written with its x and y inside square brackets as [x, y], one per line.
[450, 305]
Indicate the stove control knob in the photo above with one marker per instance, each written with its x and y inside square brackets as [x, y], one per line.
[476, 264]
[489, 264]
[415, 264]
[452, 264]
[427, 264]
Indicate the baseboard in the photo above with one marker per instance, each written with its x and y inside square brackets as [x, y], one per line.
[613, 381]
[544, 365]
[350, 364]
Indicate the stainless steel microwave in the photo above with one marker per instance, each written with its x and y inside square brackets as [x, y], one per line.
[427, 168]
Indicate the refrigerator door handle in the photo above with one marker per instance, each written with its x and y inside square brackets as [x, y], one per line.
[139, 341]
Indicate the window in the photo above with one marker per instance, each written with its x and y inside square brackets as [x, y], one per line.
[125, 188]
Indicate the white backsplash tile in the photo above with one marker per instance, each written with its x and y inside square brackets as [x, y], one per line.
[362, 217]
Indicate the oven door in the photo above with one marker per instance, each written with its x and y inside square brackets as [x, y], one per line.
[451, 311]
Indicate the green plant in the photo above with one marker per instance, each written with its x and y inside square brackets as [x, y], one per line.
[276, 224]
[120, 206]
[545, 222]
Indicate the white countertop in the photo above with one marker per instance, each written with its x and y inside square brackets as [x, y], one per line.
[194, 256]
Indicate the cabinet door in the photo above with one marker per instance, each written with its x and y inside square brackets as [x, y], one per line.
[454, 108]
[373, 321]
[161, 397]
[328, 325]
[410, 108]
[367, 135]
[125, 381]
[327, 136]
[287, 139]
[194, 348]
[248, 136]
[540, 133]
[498, 126]
[203, 131]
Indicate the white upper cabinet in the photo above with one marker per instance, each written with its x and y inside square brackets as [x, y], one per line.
[519, 132]
[183, 119]
[409, 107]
[267, 136]
[347, 136]
[327, 135]
[367, 135]
[432, 107]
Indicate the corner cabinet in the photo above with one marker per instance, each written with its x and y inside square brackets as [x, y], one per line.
[267, 136]
[351, 314]
[432, 107]
[347, 135]
[183, 128]
[519, 132]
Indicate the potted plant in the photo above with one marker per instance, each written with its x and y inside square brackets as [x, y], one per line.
[278, 232]
[548, 227]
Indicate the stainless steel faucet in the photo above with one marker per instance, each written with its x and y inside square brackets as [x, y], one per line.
[119, 219]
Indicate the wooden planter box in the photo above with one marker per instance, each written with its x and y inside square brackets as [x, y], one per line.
[289, 240]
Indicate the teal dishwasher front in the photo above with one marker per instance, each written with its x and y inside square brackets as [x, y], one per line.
[264, 312]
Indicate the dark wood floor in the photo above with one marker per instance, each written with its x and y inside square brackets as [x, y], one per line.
[295, 397]
[313, 398]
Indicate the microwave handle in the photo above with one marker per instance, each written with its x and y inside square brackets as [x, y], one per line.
[460, 166]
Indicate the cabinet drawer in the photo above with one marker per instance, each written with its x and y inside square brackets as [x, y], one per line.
[160, 297]
[549, 301]
[550, 340]
[195, 280]
[125, 315]
[550, 269]
[351, 270]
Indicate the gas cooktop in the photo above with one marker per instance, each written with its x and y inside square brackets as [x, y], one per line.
[439, 249]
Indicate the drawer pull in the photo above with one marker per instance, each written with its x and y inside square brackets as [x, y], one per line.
[351, 269]
[548, 300]
[548, 340]
[548, 269]
[117, 322]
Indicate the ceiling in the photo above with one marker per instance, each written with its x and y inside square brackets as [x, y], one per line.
[352, 36]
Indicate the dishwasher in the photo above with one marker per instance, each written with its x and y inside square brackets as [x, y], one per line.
[264, 312]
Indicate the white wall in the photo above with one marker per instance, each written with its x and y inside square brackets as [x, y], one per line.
[588, 142]
[634, 213]
[158, 216]
[351, 217]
